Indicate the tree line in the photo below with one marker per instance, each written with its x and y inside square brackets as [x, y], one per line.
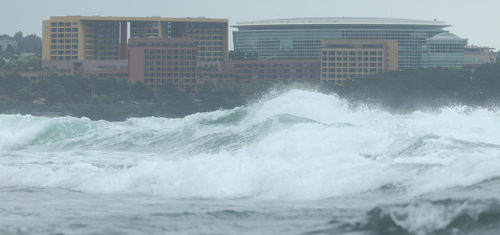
[430, 89]
[117, 99]
[11, 59]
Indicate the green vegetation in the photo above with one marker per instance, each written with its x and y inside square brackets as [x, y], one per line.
[117, 99]
[12, 61]
[423, 89]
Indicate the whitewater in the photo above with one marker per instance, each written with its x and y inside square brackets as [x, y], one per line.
[295, 162]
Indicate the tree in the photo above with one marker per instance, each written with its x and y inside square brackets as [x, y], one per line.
[142, 91]
[93, 82]
[170, 93]
[9, 51]
[18, 36]
[48, 72]
[2, 62]
[118, 81]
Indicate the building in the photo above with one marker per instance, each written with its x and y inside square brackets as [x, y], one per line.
[156, 61]
[474, 56]
[299, 39]
[105, 38]
[276, 70]
[102, 68]
[348, 58]
[443, 50]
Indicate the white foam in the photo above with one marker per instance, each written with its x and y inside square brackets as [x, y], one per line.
[420, 153]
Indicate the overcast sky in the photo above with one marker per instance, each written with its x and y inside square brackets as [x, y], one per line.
[476, 20]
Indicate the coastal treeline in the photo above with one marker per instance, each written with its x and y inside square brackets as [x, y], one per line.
[424, 89]
[117, 99]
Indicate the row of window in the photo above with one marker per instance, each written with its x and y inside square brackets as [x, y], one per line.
[169, 75]
[331, 58]
[102, 58]
[63, 52]
[276, 65]
[161, 44]
[103, 42]
[102, 24]
[63, 57]
[210, 59]
[206, 32]
[169, 57]
[353, 65]
[94, 30]
[207, 37]
[211, 75]
[63, 24]
[170, 69]
[64, 30]
[210, 54]
[143, 31]
[152, 51]
[210, 48]
[208, 43]
[111, 48]
[176, 63]
[345, 71]
[64, 41]
[352, 53]
[63, 46]
[102, 53]
[102, 36]
[62, 35]
[275, 71]
[206, 26]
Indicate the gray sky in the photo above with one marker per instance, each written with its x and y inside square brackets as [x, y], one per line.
[475, 20]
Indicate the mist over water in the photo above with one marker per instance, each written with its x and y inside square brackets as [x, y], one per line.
[299, 153]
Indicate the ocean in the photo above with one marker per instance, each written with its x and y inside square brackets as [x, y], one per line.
[297, 162]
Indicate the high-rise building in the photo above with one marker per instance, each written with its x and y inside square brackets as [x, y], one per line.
[105, 38]
[298, 39]
[348, 58]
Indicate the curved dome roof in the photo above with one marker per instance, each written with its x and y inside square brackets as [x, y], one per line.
[445, 36]
[342, 21]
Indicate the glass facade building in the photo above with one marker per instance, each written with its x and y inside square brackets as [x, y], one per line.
[295, 39]
[444, 50]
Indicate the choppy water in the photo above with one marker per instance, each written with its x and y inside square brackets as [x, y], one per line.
[298, 163]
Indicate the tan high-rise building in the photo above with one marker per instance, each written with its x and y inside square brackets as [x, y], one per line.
[105, 38]
[347, 58]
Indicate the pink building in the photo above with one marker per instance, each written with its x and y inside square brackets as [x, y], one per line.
[156, 61]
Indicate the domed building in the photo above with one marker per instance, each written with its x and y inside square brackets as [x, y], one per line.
[444, 50]
[300, 38]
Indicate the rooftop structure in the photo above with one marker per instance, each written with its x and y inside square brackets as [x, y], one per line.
[300, 38]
